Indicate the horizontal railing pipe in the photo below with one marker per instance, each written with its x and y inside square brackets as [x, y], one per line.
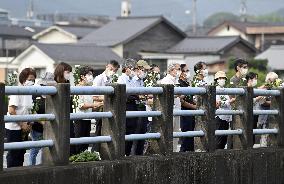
[90, 115]
[265, 92]
[90, 140]
[228, 132]
[265, 131]
[230, 91]
[229, 112]
[91, 90]
[133, 114]
[28, 144]
[265, 112]
[189, 90]
[30, 90]
[198, 133]
[144, 90]
[188, 112]
[136, 137]
[29, 118]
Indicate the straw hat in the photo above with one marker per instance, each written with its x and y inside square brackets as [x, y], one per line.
[220, 74]
[144, 64]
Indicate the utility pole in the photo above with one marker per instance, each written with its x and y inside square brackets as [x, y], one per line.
[125, 8]
[30, 11]
[243, 10]
[194, 15]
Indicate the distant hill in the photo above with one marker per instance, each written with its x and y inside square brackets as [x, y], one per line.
[217, 18]
[173, 9]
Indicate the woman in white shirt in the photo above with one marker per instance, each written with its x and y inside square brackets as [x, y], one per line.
[84, 104]
[19, 105]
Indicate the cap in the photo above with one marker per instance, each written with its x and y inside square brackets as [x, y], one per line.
[144, 64]
[220, 74]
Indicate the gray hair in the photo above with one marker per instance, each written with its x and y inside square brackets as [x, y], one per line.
[47, 79]
[271, 76]
[129, 63]
[171, 67]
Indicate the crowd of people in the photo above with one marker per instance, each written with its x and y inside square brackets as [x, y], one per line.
[134, 74]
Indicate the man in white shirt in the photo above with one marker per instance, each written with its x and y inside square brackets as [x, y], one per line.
[174, 72]
[103, 79]
[106, 77]
[138, 81]
[128, 73]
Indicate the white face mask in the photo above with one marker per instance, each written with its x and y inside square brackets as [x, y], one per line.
[254, 83]
[89, 78]
[205, 72]
[109, 73]
[221, 82]
[132, 74]
[178, 74]
[244, 71]
[188, 75]
[142, 75]
[29, 83]
[67, 76]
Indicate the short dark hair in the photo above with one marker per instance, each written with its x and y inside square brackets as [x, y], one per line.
[153, 66]
[199, 66]
[84, 70]
[23, 76]
[251, 75]
[239, 62]
[114, 63]
[182, 66]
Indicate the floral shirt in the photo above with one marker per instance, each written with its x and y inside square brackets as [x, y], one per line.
[224, 105]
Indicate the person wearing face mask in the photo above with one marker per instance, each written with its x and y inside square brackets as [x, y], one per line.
[37, 127]
[223, 102]
[127, 78]
[85, 103]
[173, 74]
[251, 79]
[140, 70]
[19, 105]
[187, 123]
[201, 72]
[241, 68]
[62, 74]
[103, 79]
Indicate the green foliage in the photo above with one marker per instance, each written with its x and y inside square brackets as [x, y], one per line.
[220, 17]
[259, 64]
[86, 156]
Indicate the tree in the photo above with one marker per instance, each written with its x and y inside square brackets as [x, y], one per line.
[220, 17]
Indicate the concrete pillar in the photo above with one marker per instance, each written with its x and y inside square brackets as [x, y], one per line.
[206, 123]
[2, 123]
[245, 121]
[115, 126]
[163, 124]
[59, 129]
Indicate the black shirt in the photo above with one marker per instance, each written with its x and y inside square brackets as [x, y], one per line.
[40, 103]
[188, 98]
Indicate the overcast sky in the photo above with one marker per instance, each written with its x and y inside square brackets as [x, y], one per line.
[173, 9]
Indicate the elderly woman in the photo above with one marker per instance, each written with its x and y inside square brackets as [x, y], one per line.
[265, 103]
[172, 77]
[37, 127]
